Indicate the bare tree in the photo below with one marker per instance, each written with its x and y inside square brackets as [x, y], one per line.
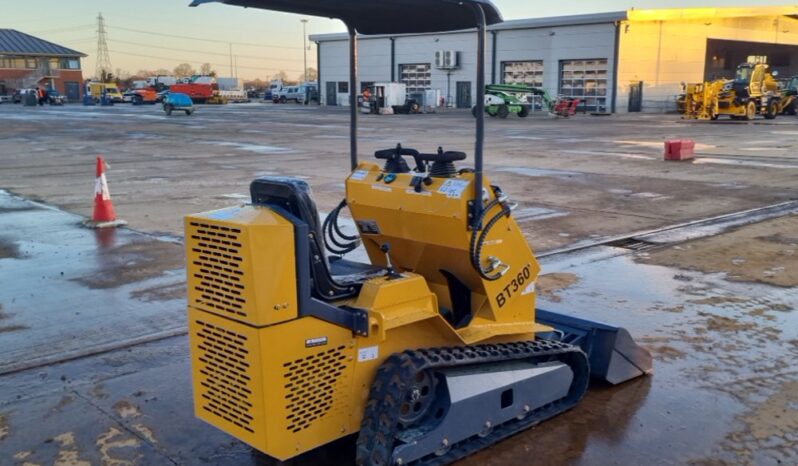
[184, 70]
[281, 75]
[312, 75]
[207, 70]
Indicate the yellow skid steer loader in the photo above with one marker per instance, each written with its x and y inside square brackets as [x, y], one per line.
[429, 352]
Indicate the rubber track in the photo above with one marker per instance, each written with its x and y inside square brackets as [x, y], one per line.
[379, 427]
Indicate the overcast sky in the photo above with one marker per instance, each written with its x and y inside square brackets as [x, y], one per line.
[142, 34]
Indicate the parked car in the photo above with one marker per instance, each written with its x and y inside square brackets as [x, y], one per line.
[127, 96]
[159, 97]
[289, 94]
[55, 98]
[5, 98]
[178, 101]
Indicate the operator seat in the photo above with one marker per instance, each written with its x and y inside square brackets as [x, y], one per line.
[331, 280]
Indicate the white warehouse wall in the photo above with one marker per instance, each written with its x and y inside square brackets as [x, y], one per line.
[554, 44]
[374, 59]
[550, 44]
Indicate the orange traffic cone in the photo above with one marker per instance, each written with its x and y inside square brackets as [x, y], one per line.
[104, 215]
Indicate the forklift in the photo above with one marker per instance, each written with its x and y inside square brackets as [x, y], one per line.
[428, 353]
[388, 99]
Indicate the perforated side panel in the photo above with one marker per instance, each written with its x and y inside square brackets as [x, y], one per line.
[224, 365]
[216, 274]
[313, 386]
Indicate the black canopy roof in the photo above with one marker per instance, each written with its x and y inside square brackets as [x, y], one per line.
[383, 16]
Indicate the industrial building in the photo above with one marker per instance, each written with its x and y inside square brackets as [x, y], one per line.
[27, 61]
[624, 61]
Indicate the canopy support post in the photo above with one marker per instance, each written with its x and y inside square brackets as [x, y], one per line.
[476, 208]
[353, 110]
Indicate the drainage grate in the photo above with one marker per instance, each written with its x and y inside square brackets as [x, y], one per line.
[313, 385]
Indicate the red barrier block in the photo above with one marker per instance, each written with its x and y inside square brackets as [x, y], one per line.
[679, 149]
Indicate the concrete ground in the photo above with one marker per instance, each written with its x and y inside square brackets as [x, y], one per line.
[95, 364]
[587, 177]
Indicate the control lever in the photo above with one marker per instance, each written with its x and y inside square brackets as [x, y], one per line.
[392, 273]
[416, 183]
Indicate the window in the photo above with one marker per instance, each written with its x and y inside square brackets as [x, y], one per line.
[417, 77]
[523, 72]
[30, 63]
[365, 85]
[585, 80]
[10, 62]
[343, 87]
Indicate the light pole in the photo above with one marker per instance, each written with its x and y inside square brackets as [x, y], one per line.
[231, 59]
[305, 49]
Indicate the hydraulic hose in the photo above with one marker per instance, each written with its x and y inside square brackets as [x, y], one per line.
[335, 240]
[478, 238]
[481, 242]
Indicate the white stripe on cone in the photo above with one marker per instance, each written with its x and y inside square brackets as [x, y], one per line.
[101, 188]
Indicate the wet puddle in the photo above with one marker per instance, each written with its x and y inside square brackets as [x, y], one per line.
[68, 290]
[724, 386]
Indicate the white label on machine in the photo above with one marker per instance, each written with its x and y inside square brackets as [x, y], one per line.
[380, 187]
[422, 193]
[359, 175]
[368, 354]
[454, 188]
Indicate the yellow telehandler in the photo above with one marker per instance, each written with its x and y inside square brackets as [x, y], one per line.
[753, 91]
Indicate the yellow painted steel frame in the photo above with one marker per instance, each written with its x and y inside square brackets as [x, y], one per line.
[428, 232]
[287, 384]
[702, 101]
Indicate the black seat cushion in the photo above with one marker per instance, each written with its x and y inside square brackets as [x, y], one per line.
[336, 280]
[348, 272]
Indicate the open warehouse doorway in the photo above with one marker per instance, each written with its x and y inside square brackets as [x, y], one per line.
[723, 57]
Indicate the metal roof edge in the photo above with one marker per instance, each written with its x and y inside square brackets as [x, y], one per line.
[529, 23]
[675, 14]
[66, 52]
[653, 14]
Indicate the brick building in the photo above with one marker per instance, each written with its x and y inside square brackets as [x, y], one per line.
[27, 61]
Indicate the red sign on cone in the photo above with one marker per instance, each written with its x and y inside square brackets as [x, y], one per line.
[104, 215]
